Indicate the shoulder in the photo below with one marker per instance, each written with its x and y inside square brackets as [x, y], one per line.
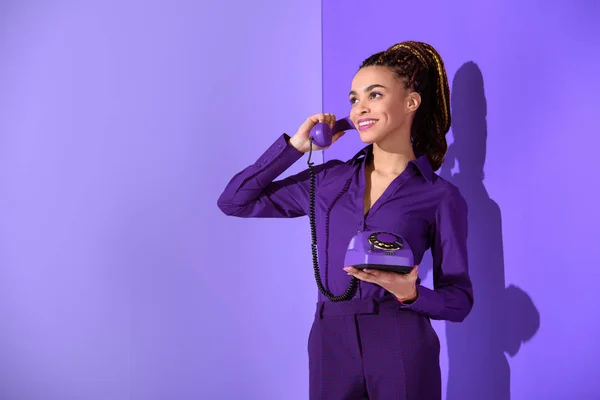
[444, 187]
[336, 167]
[448, 194]
[330, 167]
[334, 172]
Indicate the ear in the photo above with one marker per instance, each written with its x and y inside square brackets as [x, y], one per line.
[413, 101]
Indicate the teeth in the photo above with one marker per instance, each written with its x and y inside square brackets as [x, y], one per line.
[365, 123]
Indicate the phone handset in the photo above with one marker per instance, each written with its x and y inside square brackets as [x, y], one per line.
[322, 134]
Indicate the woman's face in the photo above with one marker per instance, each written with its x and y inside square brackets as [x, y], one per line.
[381, 104]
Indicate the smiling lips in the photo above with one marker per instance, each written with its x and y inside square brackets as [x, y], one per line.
[366, 123]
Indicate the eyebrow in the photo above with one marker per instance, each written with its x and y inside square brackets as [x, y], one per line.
[353, 92]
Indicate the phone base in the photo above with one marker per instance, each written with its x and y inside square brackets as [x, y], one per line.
[400, 269]
[379, 250]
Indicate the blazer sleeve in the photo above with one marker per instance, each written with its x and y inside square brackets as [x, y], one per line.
[452, 296]
[253, 192]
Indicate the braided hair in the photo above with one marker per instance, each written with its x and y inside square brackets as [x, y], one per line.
[423, 69]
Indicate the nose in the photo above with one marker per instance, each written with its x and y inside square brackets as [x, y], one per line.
[361, 110]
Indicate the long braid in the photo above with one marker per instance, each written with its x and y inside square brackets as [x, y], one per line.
[422, 67]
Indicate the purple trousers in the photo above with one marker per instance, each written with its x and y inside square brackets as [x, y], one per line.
[372, 349]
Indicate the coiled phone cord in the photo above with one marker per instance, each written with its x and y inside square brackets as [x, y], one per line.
[313, 232]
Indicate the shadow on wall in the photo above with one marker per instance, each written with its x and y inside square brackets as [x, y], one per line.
[502, 317]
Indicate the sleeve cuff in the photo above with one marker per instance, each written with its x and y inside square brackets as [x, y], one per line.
[425, 302]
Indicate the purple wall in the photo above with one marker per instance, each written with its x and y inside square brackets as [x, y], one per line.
[120, 123]
[524, 81]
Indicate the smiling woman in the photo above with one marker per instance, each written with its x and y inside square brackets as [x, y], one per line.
[400, 105]
[411, 77]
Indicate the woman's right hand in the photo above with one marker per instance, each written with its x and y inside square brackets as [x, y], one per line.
[301, 141]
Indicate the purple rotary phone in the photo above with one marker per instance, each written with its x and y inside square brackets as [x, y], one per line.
[380, 250]
[322, 135]
[372, 249]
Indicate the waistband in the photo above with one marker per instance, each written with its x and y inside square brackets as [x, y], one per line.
[356, 306]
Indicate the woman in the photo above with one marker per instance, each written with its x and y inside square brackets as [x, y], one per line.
[378, 343]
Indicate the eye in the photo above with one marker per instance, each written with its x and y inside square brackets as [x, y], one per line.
[372, 95]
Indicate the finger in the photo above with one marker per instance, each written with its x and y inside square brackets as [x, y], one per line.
[316, 118]
[414, 274]
[338, 135]
[363, 276]
[325, 118]
[331, 120]
[373, 272]
[321, 117]
[311, 121]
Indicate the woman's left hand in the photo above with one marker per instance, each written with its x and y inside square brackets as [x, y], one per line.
[404, 287]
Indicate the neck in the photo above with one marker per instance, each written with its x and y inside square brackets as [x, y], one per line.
[391, 158]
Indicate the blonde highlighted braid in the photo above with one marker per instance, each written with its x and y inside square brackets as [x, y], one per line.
[422, 67]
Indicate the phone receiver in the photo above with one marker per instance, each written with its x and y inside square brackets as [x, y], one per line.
[322, 134]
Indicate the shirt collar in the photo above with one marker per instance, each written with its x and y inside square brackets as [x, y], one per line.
[421, 162]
